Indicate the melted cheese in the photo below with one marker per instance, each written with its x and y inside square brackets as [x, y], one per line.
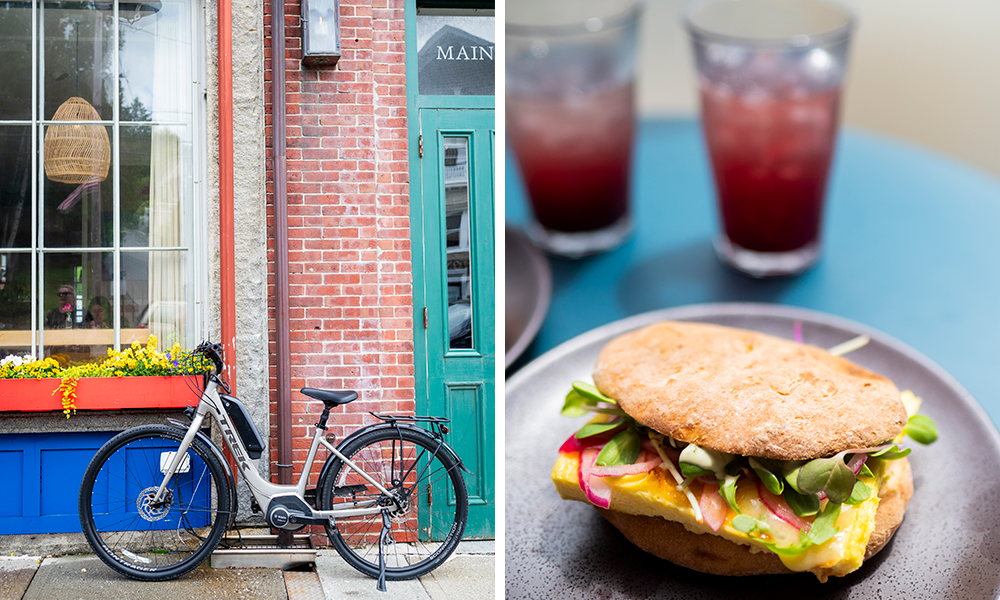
[655, 494]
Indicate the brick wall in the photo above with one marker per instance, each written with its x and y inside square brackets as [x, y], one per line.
[348, 221]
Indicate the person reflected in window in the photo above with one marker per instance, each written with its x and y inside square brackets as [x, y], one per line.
[99, 314]
[61, 317]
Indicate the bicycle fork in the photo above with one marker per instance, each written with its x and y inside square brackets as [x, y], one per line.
[179, 455]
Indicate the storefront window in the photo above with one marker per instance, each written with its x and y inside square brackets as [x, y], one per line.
[96, 175]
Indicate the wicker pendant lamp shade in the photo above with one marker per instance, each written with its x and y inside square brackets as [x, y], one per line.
[77, 153]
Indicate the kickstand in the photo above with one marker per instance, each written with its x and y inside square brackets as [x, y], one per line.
[383, 539]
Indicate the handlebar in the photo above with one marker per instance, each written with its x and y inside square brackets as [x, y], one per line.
[212, 352]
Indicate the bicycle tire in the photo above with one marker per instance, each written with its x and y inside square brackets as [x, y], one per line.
[145, 542]
[425, 534]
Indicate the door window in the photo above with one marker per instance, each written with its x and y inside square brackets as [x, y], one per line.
[458, 250]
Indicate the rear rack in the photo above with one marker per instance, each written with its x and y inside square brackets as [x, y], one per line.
[437, 423]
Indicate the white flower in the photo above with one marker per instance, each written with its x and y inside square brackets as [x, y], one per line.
[17, 361]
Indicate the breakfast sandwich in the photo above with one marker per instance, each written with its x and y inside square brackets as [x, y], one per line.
[733, 452]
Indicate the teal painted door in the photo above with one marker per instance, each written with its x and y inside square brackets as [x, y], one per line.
[457, 197]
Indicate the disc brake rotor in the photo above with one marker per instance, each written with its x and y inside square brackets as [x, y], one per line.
[149, 511]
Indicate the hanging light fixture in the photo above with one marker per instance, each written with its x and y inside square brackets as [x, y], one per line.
[77, 153]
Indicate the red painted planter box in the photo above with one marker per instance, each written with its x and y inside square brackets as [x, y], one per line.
[101, 393]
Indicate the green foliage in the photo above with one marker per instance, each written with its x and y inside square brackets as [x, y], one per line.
[623, 449]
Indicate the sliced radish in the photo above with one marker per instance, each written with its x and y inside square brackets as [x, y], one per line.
[713, 506]
[779, 507]
[646, 462]
[597, 490]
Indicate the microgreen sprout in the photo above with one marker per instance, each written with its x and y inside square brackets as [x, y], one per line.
[623, 449]
[921, 429]
[585, 398]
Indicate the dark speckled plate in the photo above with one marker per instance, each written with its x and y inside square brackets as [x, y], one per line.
[947, 547]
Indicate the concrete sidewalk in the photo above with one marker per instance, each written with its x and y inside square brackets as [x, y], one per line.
[468, 574]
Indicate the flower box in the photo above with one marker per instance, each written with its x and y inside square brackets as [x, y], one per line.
[101, 393]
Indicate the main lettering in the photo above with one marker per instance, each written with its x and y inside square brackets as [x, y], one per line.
[465, 53]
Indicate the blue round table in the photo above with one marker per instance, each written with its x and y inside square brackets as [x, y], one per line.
[911, 246]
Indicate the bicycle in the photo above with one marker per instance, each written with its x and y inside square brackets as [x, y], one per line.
[156, 500]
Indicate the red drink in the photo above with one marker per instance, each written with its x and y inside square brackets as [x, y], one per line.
[771, 157]
[574, 156]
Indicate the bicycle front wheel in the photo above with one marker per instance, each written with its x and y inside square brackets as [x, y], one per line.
[423, 477]
[146, 540]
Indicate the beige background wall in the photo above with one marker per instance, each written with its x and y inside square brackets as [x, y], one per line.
[927, 71]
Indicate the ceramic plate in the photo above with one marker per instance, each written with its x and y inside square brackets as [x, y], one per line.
[947, 547]
[528, 290]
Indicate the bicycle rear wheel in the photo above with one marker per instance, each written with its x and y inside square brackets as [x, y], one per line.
[419, 472]
[130, 533]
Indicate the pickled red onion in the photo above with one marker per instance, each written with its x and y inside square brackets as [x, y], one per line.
[597, 490]
[647, 461]
[779, 507]
[857, 461]
[573, 444]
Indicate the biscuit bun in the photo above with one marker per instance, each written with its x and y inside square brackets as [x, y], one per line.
[747, 393]
[716, 556]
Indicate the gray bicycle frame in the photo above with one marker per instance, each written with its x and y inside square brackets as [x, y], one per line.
[263, 490]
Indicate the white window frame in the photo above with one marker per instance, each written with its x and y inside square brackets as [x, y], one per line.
[196, 284]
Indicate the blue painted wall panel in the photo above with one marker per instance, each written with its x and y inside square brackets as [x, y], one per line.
[43, 473]
[12, 468]
[61, 471]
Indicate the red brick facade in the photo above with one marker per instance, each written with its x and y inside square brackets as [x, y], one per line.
[349, 268]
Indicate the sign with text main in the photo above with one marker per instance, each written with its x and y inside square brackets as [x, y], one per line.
[455, 54]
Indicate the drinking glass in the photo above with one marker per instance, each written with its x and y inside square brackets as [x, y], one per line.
[570, 118]
[770, 74]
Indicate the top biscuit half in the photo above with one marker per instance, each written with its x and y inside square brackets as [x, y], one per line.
[748, 393]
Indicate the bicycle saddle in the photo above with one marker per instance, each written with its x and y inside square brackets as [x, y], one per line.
[331, 397]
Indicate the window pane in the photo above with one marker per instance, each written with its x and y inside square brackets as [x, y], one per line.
[455, 50]
[15, 60]
[457, 246]
[135, 186]
[15, 186]
[156, 66]
[156, 168]
[78, 57]
[78, 215]
[15, 303]
[154, 295]
[77, 305]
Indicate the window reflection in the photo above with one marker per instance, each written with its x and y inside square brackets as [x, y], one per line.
[457, 242]
[78, 215]
[15, 51]
[15, 188]
[76, 288]
[78, 55]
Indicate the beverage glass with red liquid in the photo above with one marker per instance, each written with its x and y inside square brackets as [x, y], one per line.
[570, 118]
[770, 74]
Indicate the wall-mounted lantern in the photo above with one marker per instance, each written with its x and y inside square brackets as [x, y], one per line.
[320, 32]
